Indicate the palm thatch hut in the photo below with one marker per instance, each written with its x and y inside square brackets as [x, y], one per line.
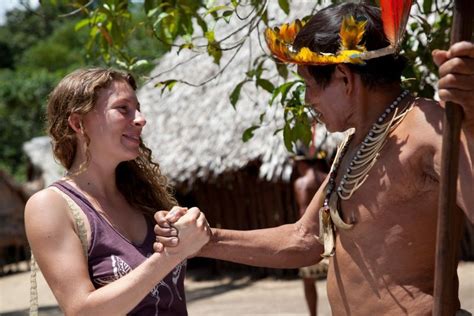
[13, 243]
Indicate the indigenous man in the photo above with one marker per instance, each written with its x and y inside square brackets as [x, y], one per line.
[375, 215]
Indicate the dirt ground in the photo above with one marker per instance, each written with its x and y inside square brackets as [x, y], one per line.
[226, 296]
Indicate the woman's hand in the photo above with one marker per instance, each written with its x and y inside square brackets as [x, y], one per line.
[193, 233]
[166, 234]
[181, 231]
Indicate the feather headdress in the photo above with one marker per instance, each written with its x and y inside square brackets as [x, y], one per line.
[394, 17]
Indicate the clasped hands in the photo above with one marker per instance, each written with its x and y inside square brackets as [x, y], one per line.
[181, 231]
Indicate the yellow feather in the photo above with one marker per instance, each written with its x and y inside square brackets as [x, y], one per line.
[351, 33]
[280, 40]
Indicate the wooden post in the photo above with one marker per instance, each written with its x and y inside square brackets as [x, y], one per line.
[449, 218]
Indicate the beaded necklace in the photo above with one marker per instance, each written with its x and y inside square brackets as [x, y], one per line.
[357, 172]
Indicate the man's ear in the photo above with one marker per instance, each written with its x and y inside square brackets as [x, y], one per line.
[75, 122]
[343, 73]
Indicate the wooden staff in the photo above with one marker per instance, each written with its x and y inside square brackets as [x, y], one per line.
[449, 216]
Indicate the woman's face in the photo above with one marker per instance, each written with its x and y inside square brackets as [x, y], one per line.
[330, 103]
[115, 124]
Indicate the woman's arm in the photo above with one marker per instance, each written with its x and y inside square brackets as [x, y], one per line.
[58, 251]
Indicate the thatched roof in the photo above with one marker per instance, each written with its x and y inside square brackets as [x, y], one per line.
[196, 133]
[40, 153]
[12, 203]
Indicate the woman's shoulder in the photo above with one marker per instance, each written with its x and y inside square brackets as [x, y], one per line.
[46, 209]
[47, 196]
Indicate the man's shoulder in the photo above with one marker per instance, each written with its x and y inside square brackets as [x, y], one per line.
[422, 127]
[426, 114]
[427, 104]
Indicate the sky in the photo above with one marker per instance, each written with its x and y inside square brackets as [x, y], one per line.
[7, 5]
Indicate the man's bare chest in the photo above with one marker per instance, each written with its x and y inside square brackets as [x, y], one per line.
[397, 181]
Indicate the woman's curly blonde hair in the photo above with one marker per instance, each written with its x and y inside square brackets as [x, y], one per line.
[140, 180]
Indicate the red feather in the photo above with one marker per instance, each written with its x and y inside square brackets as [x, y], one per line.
[395, 17]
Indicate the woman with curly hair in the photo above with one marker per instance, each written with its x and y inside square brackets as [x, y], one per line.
[92, 231]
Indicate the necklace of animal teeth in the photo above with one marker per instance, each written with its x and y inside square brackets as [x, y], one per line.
[357, 172]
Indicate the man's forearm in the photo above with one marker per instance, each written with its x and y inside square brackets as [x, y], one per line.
[287, 246]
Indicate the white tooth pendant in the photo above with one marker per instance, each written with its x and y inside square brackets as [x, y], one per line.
[336, 218]
[320, 238]
[326, 232]
[320, 201]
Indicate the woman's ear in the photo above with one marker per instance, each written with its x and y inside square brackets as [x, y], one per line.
[75, 122]
[344, 74]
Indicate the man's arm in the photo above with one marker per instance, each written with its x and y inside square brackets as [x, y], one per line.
[456, 84]
[286, 246]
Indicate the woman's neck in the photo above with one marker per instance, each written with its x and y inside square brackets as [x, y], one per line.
[96, 178]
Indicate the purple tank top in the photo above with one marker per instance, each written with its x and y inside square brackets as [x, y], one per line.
[111, 256]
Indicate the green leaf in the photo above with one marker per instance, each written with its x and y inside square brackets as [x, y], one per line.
[210, 35]
[427, 4]
[214, 50]
[185, 46]
[288, 137]
[282, 70]
[235, 95]
[139, 63]
[265, 84]
[149, 5]
[82, 23]
[201, 23]
[265, 17]
[248, 133]
[122, 64]
[227, 15]
[166, 84]
[303, 132]
[160, 18]
[284, 5]
[283, 90]
[152, 12]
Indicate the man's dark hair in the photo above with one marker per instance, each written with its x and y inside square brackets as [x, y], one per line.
[321, 34]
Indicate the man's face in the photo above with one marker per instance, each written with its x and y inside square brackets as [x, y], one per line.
[329, 102]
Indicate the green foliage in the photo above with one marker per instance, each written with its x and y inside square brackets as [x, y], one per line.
[423, 37]
[22, 97]
[170, 22]
[39, 46]
[58, 52]
[40, 51]
[298, 116]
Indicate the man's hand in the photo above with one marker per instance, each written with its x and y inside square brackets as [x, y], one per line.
[193, 231]
[166, 233]
[456, 72]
